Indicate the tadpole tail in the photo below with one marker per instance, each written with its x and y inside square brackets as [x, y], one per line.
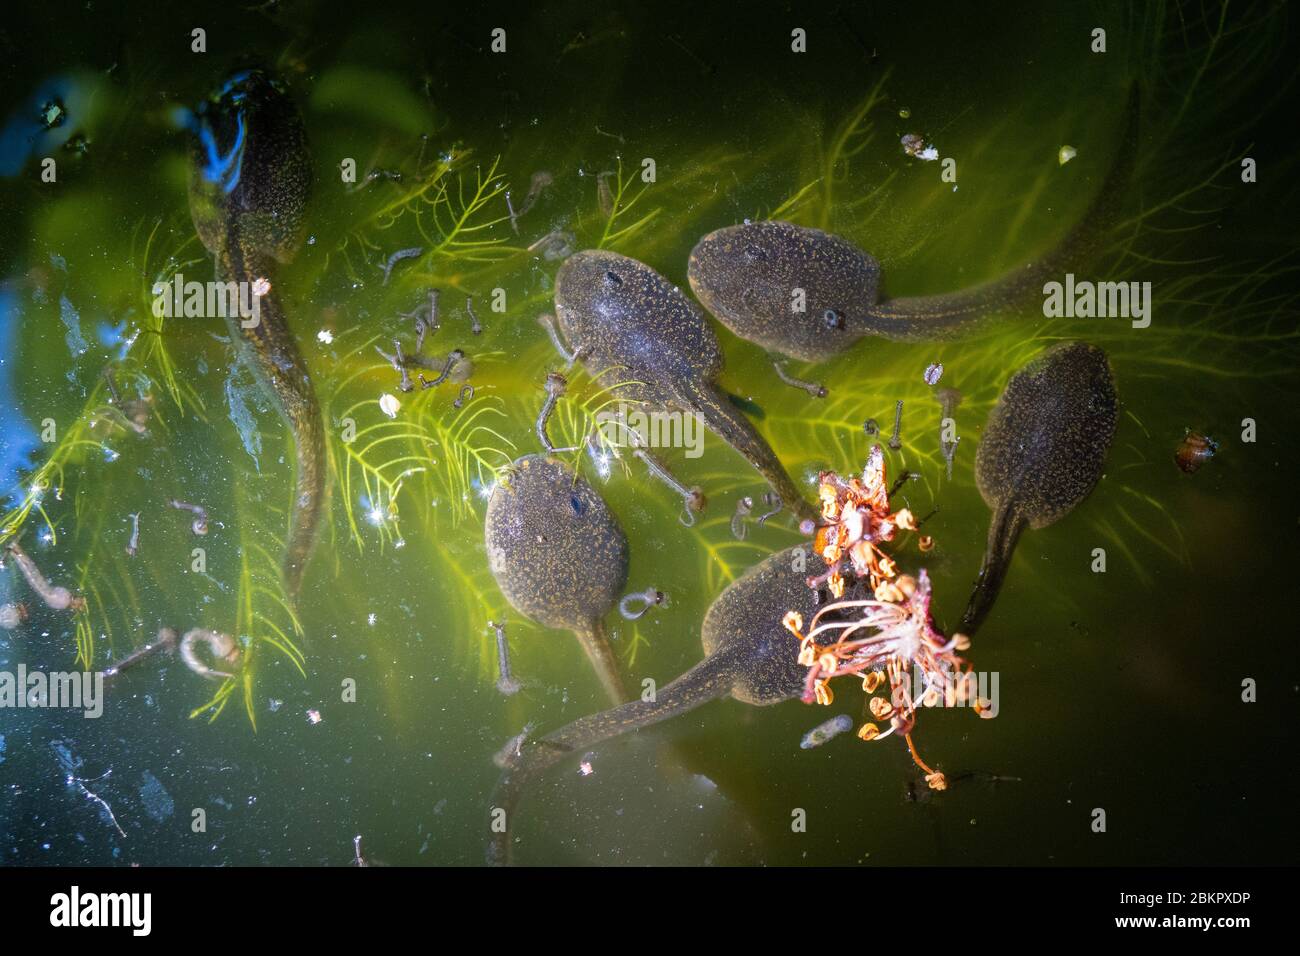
[1004, 532]
[595, 642]
[282, 370]
[730, 424]
[920, 318]
[309, 491]
[708, 680]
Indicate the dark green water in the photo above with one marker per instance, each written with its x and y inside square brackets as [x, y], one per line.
[1119, 691]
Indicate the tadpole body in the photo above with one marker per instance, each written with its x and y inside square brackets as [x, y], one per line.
[635, 328]
[748, 655]
[559, 555]
[1043, 450]
[774, 283]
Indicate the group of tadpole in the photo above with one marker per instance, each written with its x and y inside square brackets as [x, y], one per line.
[558, 552]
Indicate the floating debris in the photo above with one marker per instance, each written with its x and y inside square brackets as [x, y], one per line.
[1194, 451]
[158, 803]
[12, 614]
[917, 148]
[314, 717]
[1065, 154]
[826, 731]
[388, 404]
[933, 372]
[557, 244]
[325, 337]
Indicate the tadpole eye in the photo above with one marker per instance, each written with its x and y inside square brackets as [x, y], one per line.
[834, 320]
[611, 278]
[576, 503]
[755, 253]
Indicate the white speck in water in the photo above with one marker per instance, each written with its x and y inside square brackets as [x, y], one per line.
[1066, 154]
[325, 337]
[314, 717]
[372, 619]
[389, 404]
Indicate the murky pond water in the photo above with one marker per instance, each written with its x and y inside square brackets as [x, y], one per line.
[368, 706]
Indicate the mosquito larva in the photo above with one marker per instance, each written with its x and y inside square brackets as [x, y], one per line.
[604, 195]
[773, 501]
[895, 442]
[693, 499]
[744, 505]
[949, 399]
[541, 179]
[200, 525]
[812, 388]
[475, 327]
[454, 356]
[650, 597]
[547, 321]
[555, 386]
[223, 648]
[397, 257]
[400, 361]
[133, 545]
[506, 682]
[166, 640]
[514, 216]
[466, 393]
[58, 598]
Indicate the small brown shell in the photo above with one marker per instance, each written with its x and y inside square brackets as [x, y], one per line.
[1194, 451]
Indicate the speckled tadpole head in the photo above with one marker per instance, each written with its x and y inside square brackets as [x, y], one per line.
[754, 278]
[555, 548]
[250, 166]
[744, 626]
[622, 312]
[1045, 443]
[629, 321]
